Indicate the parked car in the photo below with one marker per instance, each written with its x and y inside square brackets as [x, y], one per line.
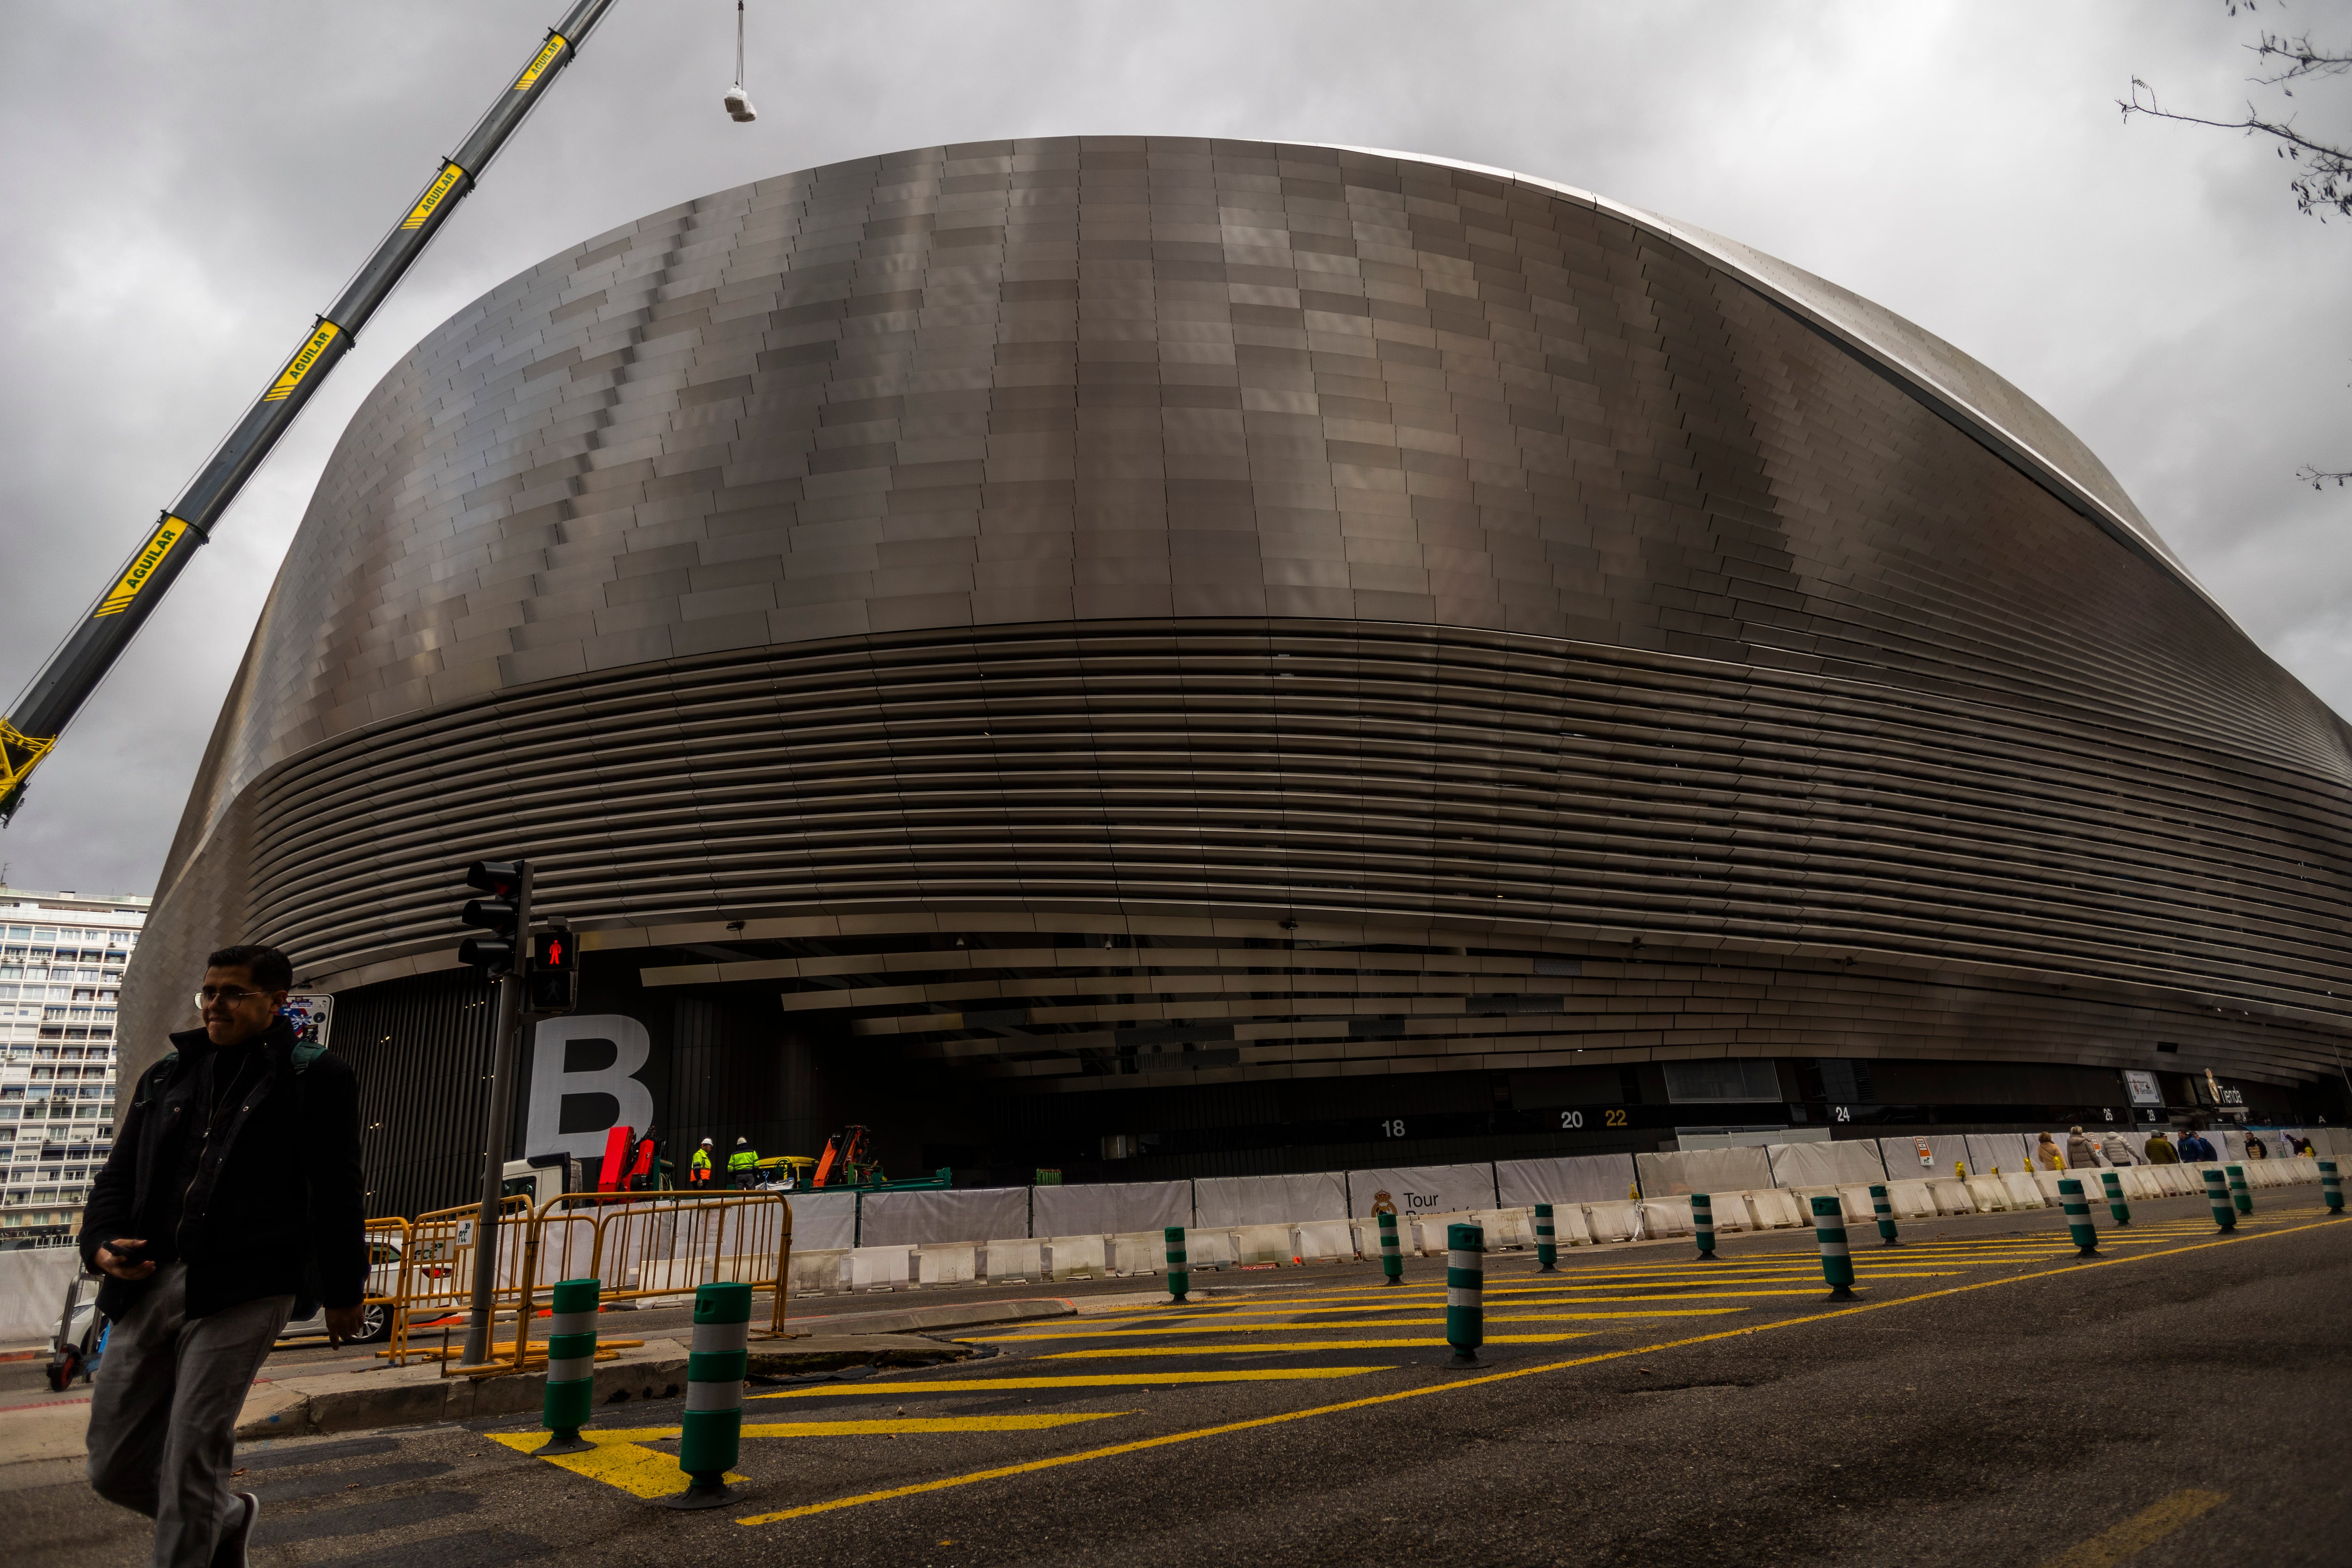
[376, 1317]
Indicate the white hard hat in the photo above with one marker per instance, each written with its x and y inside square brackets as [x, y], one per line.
[706, 1142]
[739, 1140]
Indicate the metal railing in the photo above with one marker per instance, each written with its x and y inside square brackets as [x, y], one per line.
[639, 1247]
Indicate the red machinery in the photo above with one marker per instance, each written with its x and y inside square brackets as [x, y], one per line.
[847, 1159]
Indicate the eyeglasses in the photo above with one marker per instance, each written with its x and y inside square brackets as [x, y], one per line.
[231, 995]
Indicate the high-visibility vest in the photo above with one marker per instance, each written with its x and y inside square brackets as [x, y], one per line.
[701, 1161]
[742, 1158]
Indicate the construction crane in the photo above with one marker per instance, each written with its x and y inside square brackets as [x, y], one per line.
[81, 662]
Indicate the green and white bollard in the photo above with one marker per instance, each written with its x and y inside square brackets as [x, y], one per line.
[2115, 1203]
[2078, 1217]
[1392, 1259]
[1465, 1292]
[2238, 1193]
[1884, 1207]
[2331, 1186]
[712, 1437]
[1179, 1263]
[1703, 1224]
[1547, 1244]
[570, 1367]
[2224, 1216]
[1837, 1261]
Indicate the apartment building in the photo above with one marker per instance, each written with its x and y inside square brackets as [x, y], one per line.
[61, 960]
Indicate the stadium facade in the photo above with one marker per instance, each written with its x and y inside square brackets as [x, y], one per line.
[1163, 658]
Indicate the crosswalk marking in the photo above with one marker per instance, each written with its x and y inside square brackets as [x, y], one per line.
[1251, 1349]
[1100, 1380]
[617, 1461]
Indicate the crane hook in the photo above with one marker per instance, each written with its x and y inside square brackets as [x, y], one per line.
[738, 101]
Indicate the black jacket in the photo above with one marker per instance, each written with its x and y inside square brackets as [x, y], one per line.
[276, 1205]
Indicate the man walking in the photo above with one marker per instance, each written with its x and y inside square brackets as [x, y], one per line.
[698, 1170]
[743, 1165]
[232, 1201]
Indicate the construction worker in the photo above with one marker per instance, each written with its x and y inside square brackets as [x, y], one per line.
[698, 1170]
[743, 1165]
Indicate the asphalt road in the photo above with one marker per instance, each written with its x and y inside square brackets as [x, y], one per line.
[1989, 1400]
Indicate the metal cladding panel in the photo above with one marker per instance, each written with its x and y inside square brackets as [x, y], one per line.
[1079, 534]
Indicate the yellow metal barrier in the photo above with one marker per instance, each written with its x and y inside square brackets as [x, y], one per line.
[638, 1245]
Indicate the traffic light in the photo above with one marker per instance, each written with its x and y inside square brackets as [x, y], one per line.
[506, 884]
[554, 971]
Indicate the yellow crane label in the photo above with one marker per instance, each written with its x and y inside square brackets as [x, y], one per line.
[299, 365]
[450, 175]
[168, 533]
[18, 752]
[538, 68]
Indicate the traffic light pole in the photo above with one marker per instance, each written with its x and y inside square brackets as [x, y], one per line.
[504, 1059]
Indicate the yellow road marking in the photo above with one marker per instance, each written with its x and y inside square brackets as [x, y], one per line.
[2141, 1530]
[1100, 1380]
[1250, 1349]
[1029, 1466]
[1436, 1319]
[617, 1461]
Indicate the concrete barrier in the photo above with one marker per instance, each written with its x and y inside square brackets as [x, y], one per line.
[2024, 1193]
[1429, 1230]
[1911, 1200]
[1262, 1244]
[817, 1272]
[1209, 1246]
[1567, 1226]
[1613, 1222]
[1952, 1197]
[1505, 1230]
[1731, 1212]
[1324, 1241]
[1774, 1209]
[878, 1268]
[1077, 1257]
[954, 1263]
[1135, 1253]
[1666, 1216]
[1991, 1193]
[1018, 1257]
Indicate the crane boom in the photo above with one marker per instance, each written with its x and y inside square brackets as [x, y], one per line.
[74, 672]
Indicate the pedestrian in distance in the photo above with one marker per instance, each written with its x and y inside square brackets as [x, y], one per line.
[2046, 1153]
[2116, 1149]
[232, 1202]
[743, 1165]
[2160, 1151]
[2081, 1155]
[2255, 1149]
[698, 1170]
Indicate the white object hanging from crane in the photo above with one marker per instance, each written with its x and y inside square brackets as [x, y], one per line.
[738, 101]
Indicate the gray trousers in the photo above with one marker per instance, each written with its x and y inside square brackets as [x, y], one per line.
[163, 1414]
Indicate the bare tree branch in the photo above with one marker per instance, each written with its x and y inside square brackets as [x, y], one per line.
[2322, 171]
[2323, 180]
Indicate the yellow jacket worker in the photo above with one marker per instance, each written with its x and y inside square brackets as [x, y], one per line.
[698, 1170]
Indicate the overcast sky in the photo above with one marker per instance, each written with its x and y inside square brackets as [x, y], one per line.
[189, 183]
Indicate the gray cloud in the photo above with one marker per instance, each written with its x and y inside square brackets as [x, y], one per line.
[189, 183]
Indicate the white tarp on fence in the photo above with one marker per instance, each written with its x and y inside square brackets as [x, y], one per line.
[2009, 1150]
[33, 1292]
[1575, 1179]
[1224, 1201]
[824, 1221]
[1944, 1150]
[1422, 1189]
[1703, 1171]
[966, 1214]
[1825, 1164]
[1112, 1208]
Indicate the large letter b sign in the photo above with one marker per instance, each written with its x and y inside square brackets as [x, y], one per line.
[580, 1085]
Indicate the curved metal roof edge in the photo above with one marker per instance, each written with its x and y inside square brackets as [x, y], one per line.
[1950, 401]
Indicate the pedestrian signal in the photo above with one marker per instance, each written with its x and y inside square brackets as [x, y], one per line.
[555, 972]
